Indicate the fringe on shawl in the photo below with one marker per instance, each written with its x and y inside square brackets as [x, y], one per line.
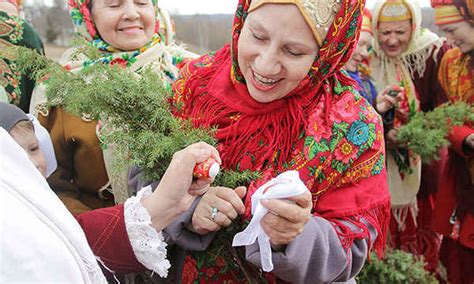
[415, 62]
[400, 214]
[258, 134]
[378, 217]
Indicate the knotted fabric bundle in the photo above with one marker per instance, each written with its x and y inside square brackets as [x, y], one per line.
[285, 185]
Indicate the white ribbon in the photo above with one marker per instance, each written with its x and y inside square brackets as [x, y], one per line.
[285, 185]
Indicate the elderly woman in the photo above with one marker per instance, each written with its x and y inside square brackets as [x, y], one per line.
[280, 101]
[132, 33]
[407, 56]
[454, 211]
[16, 88]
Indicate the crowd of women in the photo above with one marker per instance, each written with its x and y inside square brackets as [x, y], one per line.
[316, 87]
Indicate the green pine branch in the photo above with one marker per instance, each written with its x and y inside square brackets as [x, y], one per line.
[426, 133]
[135, 109]
[396, 267]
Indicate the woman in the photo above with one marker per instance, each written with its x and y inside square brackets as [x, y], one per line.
[42, 242]
[16, 88]
[357, 67]
[280, 102]
[454, 211]
[407, 56]
[133, 34]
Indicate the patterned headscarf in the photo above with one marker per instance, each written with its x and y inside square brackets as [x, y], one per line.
[319, 15]
[453, 11]
[296, 132]
[18, 5]
[84, 26]
[395, 11]
[331, 56]
[15, 3]
[466, 7]
[367, 22]
[446, 12]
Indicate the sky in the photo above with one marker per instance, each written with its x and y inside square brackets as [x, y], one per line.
[220, 6]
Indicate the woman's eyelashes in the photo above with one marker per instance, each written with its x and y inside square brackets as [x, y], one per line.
[294, 53]
[118, 4]
[114, 4]
[258, 37]
[288, 50]
[34, 148]
[142, 2]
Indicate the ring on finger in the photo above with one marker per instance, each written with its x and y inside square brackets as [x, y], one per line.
[214, 212]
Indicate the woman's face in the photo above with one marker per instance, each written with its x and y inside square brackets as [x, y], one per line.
[276, 51]
[124, 24]
[361, 52]
[461, 34]
[394, 37]
[27, 140]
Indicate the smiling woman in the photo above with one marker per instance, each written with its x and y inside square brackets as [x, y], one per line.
[279, 101]
[274, 58]
[135, 34]
[124, 24]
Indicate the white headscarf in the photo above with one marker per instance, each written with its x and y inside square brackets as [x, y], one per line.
[401, 71]
[40, 240]
[422, 45]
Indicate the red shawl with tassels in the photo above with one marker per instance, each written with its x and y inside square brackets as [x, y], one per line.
[323, 128]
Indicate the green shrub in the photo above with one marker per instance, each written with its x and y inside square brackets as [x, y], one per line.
[396, 267]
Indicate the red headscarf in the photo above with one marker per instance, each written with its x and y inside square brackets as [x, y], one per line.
[465, 8]
[331, 136]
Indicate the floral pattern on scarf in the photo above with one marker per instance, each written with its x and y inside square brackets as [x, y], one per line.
[85, 28]
[17, 87]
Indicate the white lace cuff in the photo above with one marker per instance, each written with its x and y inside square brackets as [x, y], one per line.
[147, 244]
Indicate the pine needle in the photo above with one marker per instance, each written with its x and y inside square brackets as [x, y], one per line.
[134, 107]
[426, 133]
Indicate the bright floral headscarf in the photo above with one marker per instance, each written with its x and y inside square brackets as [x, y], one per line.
[160, 53]
[85, 28]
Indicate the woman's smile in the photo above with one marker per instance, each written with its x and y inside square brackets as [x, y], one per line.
[275, 53]
[263, 83]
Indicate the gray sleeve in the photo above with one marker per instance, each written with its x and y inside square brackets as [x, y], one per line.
[176, 232]
[316, 256]
[136, 181]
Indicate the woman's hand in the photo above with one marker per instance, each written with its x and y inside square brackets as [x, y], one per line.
[391, 139]
[286, 220]
[177, 189]
[217, 208]
[386, 102]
